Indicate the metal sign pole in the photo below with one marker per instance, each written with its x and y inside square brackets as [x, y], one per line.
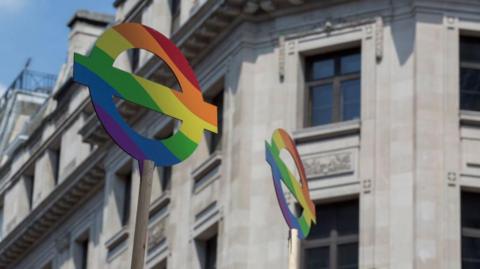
[141, 222]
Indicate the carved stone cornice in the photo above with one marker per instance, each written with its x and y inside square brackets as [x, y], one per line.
[327, 131]
[68, 195]
[194, 38]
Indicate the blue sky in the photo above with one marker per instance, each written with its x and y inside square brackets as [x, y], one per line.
[38, 29]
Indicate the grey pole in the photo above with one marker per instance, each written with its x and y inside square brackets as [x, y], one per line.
[141, 222]
[293, 250]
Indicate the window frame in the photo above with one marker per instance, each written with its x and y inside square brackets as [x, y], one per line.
[335, 81]
[215, 140]
[465, 231]
[211, 252]
[81, 250]
[175, 11]
[465, 64]
[216, 91]
[124, 184]
[334, 240]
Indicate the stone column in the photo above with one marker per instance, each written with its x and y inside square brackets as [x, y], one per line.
[46, 173]
[17, 203]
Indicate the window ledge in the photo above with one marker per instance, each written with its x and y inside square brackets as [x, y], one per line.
[469, 118]
[117, 244]
[207, 172]
[327, 131]
[158, 209]
[206, 219]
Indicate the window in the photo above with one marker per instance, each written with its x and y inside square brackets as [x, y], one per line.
[206, 246]
[126, 200]
[333, 241]
[215, 140]
[470, 230]
[175, 13]
[134, 56]
[161, 265]
[28, 181]
[125, 192]
[166, 177]
[333, 82]
[49, 265]
[470, 73]
[54, 157]
[81, 252]
[134, 53]
[211, 253]
[1, 220]
[207, 250]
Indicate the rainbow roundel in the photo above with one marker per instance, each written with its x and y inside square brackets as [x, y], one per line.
[104, 81]
[281, 140]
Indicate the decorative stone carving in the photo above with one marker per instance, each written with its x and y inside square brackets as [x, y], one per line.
[329, 165]
[367, 186]
[451, 23]
[451, 178]
[156, 235]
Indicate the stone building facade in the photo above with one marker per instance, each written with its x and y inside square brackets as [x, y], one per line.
[382, 98]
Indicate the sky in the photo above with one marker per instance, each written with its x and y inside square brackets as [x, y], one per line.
[38, 29]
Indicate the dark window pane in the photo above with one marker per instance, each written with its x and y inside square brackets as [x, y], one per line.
[175, 13]
[317, 258]
[350, 99]
[126, 200]
[347, 218]
[216, 139]
[470, 252]
[337, 222]
[211, 253]
[470, 212]
[342, 217]
[341, 100]
[350, 64]
[323, 69]
[470, 49]
[348, 256]
[325, 223]
[84, 246]
[166, 178]
[322, 103]
[470, 89]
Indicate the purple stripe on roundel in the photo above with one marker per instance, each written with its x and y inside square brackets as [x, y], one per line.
[120, 137]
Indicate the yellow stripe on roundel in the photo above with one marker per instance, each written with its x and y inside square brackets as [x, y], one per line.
[113, 43]
[171, 105]
[278, 140]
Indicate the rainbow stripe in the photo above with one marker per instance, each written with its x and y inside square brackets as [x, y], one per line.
[104, 81]
[281, 140]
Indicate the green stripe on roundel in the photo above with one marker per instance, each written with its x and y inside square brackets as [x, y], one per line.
[124, 83]
[100, 56]
[287, 180]
[303, 225]
[180, 145]
[274, 148]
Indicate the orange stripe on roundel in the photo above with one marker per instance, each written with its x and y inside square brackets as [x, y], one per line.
[289, 144]
[139, 37]
[200, 108]
[132, 32]
[190, 95]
